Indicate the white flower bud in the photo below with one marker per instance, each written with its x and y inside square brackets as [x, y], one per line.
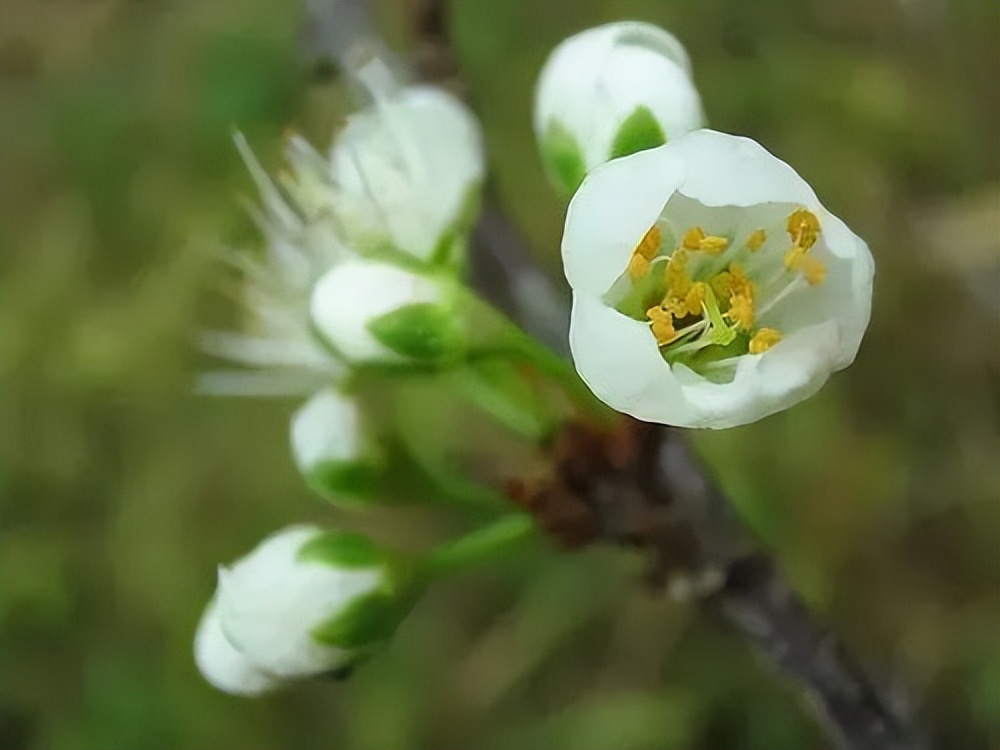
[306, 601]
[611, 91]
[710, 286]
[379, 313]
[332, 447]
[221, 664]
[408, 171]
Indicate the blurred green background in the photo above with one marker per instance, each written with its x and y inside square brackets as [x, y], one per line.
[122, 491]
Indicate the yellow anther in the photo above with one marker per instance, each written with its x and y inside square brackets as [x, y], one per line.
[803, 228]
[695, 297]
[675, 306]
[741, 311]
[813, 270]
[676, 276]
[756, 240]
[637, 267]
[739, 282]
[763, 340]
[713, 245]
[645, 251]
[794, 258]
[649, 245]
[661, 324]
[722, 284]
[692, 238]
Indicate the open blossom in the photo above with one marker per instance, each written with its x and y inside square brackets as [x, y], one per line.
[305, 601]
[333, 448]
[608, 92]
[406, 172]
[710, 286]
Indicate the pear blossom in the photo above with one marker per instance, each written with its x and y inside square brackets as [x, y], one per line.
[710, 286]
[305, 601]
[374, 312]
[406, 172]
[610, 91]
[333, 448]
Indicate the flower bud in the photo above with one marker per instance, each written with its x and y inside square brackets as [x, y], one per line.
[408, 171]
[221, 664]
[332, 448]
[378, 313]
[608, 92]
[305, 601]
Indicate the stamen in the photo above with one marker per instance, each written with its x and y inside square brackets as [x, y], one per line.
[645, 251]
[713, 244]
[695, 298]
[813, 270]
[662, 325]
[764, 339]
[722, 284]
[692, 238]
[675, 276]
[740, 283]
[756, 240]
[794, 258]
[696, 239]
[741, 311]
[637, 267]
[803, 228]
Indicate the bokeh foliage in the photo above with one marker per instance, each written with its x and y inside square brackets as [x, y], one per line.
[122, 490]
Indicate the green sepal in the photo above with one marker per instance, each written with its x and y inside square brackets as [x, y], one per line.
[365, 621]
[426, 332]
[563, 156]
[449, 251]
[350, 481]
[340, 549]
[639, 131]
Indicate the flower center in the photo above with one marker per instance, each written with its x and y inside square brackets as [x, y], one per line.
[704, 299]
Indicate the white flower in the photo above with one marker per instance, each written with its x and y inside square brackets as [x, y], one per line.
[407, 170]
[303, 242]
[304, 601]
[333, 448]
[710, 286]
[380, 313]
[221, 664]
[611, 91]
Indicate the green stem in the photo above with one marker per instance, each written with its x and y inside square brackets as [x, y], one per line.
[484, 545]
[509, 340]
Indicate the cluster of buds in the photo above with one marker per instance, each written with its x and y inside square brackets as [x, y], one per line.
[362, 278]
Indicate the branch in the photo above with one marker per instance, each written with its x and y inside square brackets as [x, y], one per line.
[639, 486]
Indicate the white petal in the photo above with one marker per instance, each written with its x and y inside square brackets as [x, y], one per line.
[618, 359]
[405, 167]
[790, 372]
[729, 170]
[354, 293]
[270, 601]
[221, 664]
[611, 211]
[856, 305]
[327, 428]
